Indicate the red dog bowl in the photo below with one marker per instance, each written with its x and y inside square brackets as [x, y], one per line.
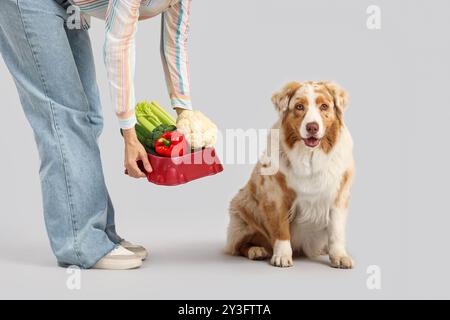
[181, 170]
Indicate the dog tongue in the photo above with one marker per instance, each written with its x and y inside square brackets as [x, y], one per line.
[312, 142]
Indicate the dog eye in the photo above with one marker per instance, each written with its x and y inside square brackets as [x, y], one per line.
[324, 107]
[300, 107]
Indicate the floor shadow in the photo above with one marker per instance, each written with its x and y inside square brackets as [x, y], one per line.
[212, 252]
[194, 252]
[185, 253]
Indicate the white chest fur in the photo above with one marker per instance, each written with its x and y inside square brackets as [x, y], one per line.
[316, 177]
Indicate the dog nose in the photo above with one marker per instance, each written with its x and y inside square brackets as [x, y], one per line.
[312, 127]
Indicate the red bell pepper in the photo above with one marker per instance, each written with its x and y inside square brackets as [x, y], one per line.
[171, 144]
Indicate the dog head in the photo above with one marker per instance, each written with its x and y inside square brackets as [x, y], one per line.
[311, 113]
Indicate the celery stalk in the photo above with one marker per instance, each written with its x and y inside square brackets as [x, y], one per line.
[154, 120]
[168, 115]
[143, 109]
[151, 116]
[146, 124]
[162, 114]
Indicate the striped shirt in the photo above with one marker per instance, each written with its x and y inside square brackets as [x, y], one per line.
[121, 20]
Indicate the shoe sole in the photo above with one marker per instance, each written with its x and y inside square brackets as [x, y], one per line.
[116, 264]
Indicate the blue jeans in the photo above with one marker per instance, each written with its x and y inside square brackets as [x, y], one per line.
[54, 72]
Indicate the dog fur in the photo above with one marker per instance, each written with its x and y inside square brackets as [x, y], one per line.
[303, 207]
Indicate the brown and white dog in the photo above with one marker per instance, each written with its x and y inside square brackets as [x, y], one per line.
[303, 207]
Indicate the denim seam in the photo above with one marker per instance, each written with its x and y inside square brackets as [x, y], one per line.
[94, 136]
[68, 186]
[58, 134]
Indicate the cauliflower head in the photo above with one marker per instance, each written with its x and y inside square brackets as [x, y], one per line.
[198, 130]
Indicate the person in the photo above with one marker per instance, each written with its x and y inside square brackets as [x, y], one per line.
[59, 94]
[121, 22]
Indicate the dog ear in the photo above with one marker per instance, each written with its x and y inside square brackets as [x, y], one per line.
[340, 95]
[282, 98]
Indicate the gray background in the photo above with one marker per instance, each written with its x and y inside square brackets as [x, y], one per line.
[242, 51]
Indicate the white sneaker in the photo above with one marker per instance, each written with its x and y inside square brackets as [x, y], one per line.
[119, 259]
[136, 249]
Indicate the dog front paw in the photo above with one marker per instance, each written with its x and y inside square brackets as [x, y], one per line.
[342, 262]
[282, 261]
[282, 254]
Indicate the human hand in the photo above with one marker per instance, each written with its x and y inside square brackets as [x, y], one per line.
[134, 152]
[198, 130]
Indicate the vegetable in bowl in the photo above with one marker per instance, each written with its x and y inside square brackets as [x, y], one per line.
[153, 123]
